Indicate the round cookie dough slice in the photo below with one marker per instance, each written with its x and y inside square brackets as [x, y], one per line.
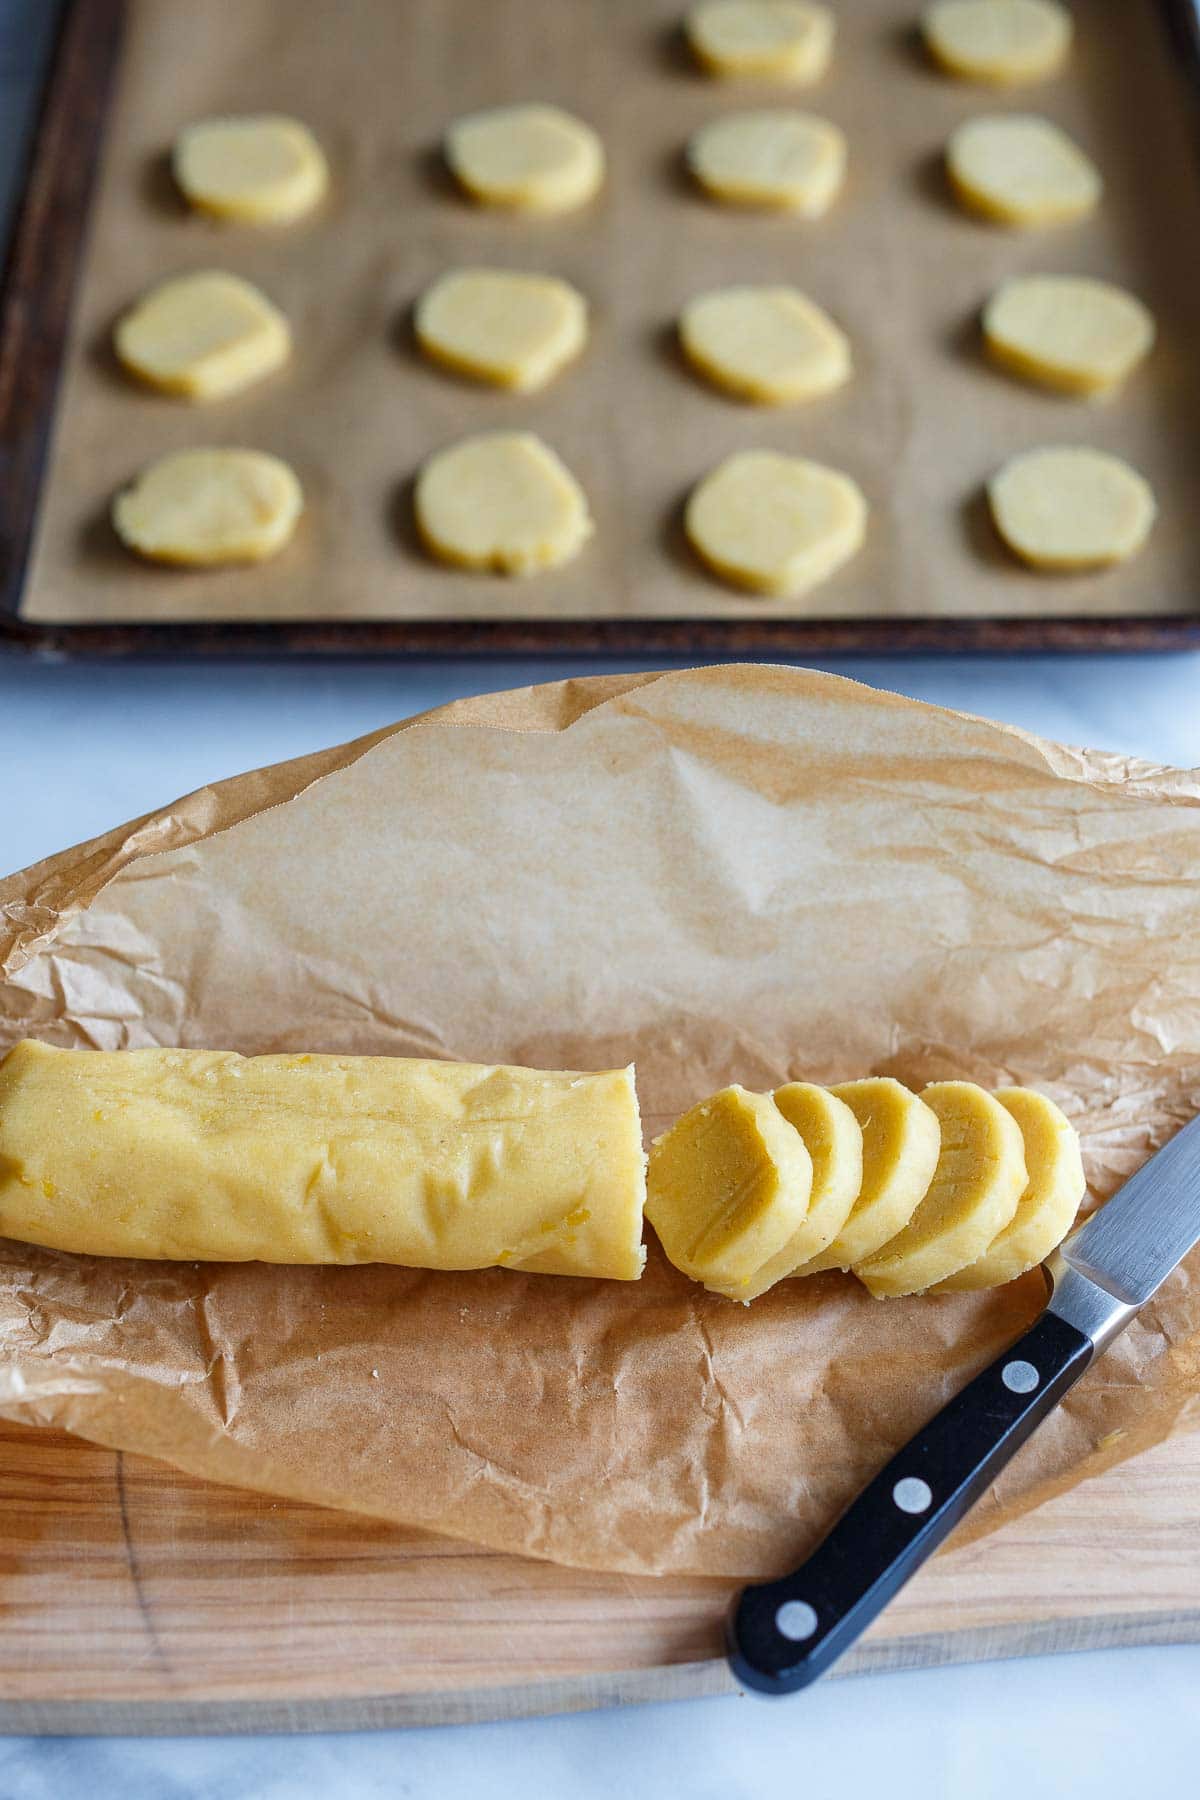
[514, 330]
[979, 1179]
[1002, 41]
[1071, 508]
[203, 336]
[1021, 170]
[834, 1140]
[727, 1187]
[775, 524]
[1046, 1210]
[205, 507]
[776, 40]
[771, 345]
[901, 1139]
[501, 501]
[1067, 331]
[262, 170]
[788, 161]
[531, 158]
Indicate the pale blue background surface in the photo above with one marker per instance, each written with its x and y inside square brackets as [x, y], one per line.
[85, 747]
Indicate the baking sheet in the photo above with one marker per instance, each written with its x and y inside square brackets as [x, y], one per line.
[731, 874]
[921, 426]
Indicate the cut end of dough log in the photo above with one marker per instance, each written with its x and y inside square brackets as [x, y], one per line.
[1021, 170]
[785, 161]
[203, 336]
[999, 41]
[261, 170]
[206, 507]
[976, 1186]
[769, 345]
[775, 524]
[515, 330]
[1068, 332]
[774, 40]
[1071, 508]
[502, 501]
[531, 158]
[727, 1187]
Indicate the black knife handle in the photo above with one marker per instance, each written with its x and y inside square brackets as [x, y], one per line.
[785, 1633]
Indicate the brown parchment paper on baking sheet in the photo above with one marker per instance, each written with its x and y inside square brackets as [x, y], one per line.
[921, 426]
[731, 874]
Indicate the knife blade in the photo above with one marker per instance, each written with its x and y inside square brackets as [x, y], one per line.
[783, 1634]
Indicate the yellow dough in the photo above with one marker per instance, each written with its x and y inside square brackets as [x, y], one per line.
[1067, 331]
[771, 345]
[979, 1179]
[203, 336]
[789, 161]
[1047, 1208]
[210, 506]
[727, 1188]
[901, 1138]
[834, 1141]
[515, 330]
[532, 158]
[1021, 170]
[1003, 41]
[775, 524]
[779, 40]
[262, 170]
[501, 501]
[1071, 508]
[206, 1155]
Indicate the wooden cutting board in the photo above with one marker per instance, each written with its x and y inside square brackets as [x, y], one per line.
[135, 1599]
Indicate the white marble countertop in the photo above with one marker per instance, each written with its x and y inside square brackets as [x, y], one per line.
[86, 746]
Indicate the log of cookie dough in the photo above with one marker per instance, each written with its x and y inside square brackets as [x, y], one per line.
[209, 1156]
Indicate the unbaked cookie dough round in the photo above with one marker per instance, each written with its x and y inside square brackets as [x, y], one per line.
[775, 524]
[771, 345]
[501, 501]
[779, 40]
[1071, 508]
[1021, 170]
[790, 161]
[1067, 331]
[531, 158]
[202, 336]
[515, 330]
[262, 170]
[203, 507]
[1002, 41]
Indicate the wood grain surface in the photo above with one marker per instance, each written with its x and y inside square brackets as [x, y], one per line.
[135, 1599]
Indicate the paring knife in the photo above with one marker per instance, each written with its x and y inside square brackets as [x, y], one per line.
[783, 1634]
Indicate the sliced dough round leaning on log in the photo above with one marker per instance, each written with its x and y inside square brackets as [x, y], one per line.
[501, 501]
[787, 161]
[775, 524]
[1071, 508]
[205, 507]
[834, 1140]
[1021, 170]
[727, 1187]
[497, 325]
[203, 336]
[1046, 1210]
[979, 1179]
[772, 345]
[536, 159]
[901, 1140]
[776, 40]
[1067, 331]
[1001, 41]
[261, 170]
